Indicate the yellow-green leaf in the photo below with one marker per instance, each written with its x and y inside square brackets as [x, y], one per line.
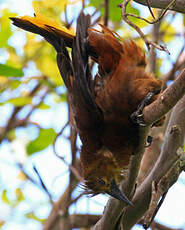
[19, 195]
[43, 106]
[5, 198]
[169, 31]
[5, 30]
[45, 138]
[31, 215]
[20, 101]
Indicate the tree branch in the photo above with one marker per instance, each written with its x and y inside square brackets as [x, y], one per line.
[179, 5]
[166, 101]
[173, 140]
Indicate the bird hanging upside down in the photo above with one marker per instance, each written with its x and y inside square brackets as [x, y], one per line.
[108, 108]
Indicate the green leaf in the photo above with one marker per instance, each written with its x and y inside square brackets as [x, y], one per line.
[10, 71]
[19, 101]
[133, 10]
[114, 10]
[45, 138]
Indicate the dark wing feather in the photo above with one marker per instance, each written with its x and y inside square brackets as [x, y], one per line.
[82, 76]
[65, 65]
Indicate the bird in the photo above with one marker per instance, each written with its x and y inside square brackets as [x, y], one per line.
[107, 108]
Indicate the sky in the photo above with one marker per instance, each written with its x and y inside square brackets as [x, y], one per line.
[52, 169]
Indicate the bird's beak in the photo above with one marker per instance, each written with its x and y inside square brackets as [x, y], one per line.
[118, 194]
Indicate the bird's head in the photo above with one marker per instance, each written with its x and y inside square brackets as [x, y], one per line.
[104, 177]
[109, 187]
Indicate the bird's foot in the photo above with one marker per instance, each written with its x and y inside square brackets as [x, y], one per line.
[149, 141]
[137, 116]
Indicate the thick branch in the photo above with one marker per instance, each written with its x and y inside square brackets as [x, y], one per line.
[166, 101]
[179, 5]
[174, 139]
[58, 208]
[83, 221]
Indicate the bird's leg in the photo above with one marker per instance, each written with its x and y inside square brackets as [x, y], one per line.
[137, 116]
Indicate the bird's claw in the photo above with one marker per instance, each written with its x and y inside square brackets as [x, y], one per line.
[149, 141]
[137, 117]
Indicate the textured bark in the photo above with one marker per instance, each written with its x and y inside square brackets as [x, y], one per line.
[179, 5]
[173, 140]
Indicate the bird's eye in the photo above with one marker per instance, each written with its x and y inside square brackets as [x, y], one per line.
[101, 181]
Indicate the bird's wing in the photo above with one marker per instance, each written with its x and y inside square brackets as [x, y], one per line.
[75, 73]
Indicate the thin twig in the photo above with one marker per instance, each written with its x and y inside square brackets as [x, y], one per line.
[20, 166]
[106, 17]
[147, 42]
[149, 7]
[42, 183]
[59, 134]
[154, 21]
[72, 168]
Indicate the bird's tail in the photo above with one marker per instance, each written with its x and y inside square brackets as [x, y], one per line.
[59, 37]
[47, 28]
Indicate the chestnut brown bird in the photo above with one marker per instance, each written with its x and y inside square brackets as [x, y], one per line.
[108, 108]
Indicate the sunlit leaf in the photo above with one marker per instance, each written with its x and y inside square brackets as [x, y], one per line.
[14, 84]
[19, 195]
[2, 222]
[44, 56]
[20, 101]
[45, 138]
[31, 215]
[11, 135]
[5, 30]
[159, 63]
[3, 82]
[169, 31]
[50, 8]
[21, 176]
[5, 198]
[183, 19]
[10, 71]
[43, 106]
[14, 59]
